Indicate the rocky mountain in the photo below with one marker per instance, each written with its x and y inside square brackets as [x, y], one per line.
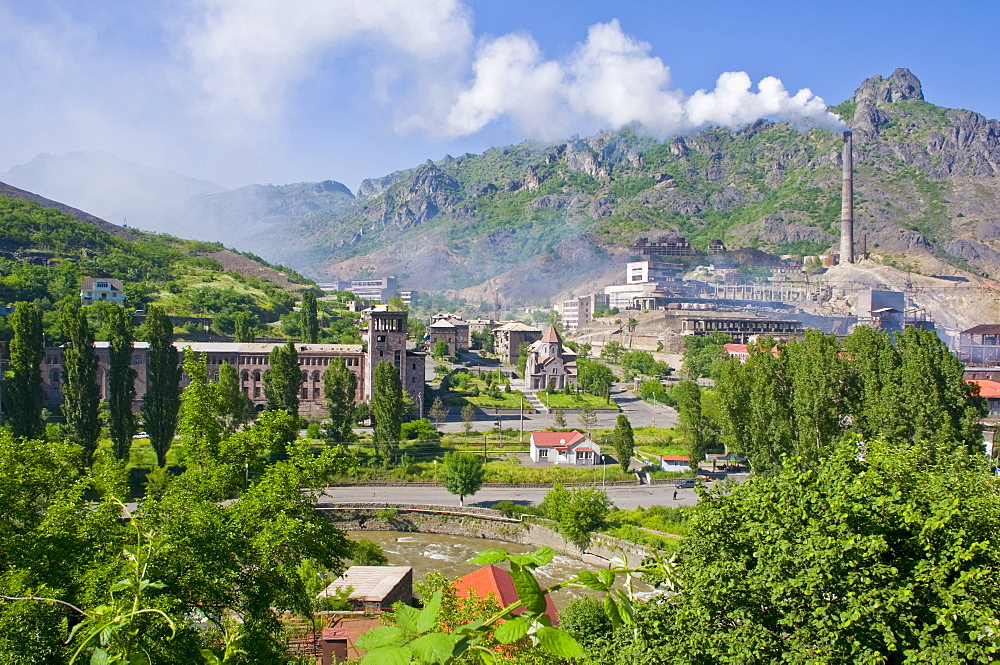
[926, 181]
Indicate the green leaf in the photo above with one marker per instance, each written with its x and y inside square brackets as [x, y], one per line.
[407, 618]
[428, 616]
[559, 643]
[434, 647]
[606, 577]
[528, 591]
[511, 631]
[381, 636]
[388, 656]
[590, 580]
[99, 657]
[611, 609]
[210, 657]
[490, 556]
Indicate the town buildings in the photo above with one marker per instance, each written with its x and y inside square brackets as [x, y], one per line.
[385, 339]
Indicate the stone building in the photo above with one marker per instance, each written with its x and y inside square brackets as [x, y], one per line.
[385, 337]
[509, 337]
[550, 363]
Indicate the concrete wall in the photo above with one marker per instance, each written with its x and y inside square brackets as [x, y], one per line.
[481, 523]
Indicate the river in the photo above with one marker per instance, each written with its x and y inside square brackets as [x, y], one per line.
[449, 555]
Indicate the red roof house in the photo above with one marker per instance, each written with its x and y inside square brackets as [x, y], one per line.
[493, 580]
[564, 448]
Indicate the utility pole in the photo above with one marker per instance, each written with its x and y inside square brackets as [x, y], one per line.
[521, 439]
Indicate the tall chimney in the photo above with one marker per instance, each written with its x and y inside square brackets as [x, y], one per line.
[847, 204]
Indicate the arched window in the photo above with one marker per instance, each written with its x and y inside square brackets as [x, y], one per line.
[244, 375]
[316, 376]
[305, 377]
[256, 375]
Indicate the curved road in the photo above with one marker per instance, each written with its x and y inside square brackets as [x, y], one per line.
[623, 497]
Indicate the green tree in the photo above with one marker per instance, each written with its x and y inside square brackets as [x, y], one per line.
[440, 348]
[200, 427]
[687, 395]
[235, 407]
[416, 330]
[244, 327]
[80, 391]
[612, 351]
[817, 373]
[587, 418]
[386, 409]
[463, 474]
[483, 340]
[595, 377]
[310, 321]
[340, 388]
[438, 411]
[283, 379]
[396, 304]
[121, 380]
[704, 355]
[623, 440]
[873, 560]
[577, 512]
[468, 415]
[23, 393]
[559, 418]
[163, 376]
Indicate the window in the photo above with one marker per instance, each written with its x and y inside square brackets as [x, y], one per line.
[543, 453]
[583, 455]
[100, 285]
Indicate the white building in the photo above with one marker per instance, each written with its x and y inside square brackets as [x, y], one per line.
[675, 463]
[564, 448]
[107, 289]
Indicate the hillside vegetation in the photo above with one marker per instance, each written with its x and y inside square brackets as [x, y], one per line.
[44, 255]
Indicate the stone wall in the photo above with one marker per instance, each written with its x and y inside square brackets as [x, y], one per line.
[481, 523]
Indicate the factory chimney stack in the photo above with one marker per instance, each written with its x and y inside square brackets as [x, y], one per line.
[847, 204]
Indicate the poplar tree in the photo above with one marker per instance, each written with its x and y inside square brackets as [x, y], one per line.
[623, 440]
[386, 409]
[820, 392]
[24, 387]
[121, 380]
[687, 394]
[283, 380]
[243, 327]
[199, 427]
[339, 387]
[163, 376]
[236, 407]
[81, 396]
[310, 322]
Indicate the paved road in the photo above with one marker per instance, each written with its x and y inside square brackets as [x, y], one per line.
[623, 497]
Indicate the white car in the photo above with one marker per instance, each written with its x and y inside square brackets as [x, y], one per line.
[140, 435]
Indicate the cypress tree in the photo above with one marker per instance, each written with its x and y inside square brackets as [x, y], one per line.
[386, 409]
[80, 392]
[624, 441]
[24, 388]
[283, 379]
[339, 387]
[236, 406]
[121, 380]
[310, 322]
[244, 329]
[163, 378]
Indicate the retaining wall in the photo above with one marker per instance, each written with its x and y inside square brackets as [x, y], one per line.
[480, 523]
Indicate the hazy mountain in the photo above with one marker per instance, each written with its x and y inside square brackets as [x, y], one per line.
[122, 192]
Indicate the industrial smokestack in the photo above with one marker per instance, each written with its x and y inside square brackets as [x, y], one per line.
[847, 204]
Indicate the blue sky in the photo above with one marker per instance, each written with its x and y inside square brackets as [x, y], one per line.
[242, 91]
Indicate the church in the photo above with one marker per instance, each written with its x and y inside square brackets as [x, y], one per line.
[550, 364]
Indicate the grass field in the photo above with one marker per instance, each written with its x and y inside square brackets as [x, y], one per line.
[575, 401]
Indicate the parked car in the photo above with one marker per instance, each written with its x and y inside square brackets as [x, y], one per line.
[687, 483]
[140, 435]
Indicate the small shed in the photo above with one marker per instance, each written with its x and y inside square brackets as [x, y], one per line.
[675, 463]
[496, 581]
[374, 587]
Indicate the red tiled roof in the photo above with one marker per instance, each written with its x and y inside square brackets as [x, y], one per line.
[491, 579]
[676, 458]
[988, 388]
[556, 439]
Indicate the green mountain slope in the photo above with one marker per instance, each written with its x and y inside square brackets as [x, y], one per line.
[926, 180]
[45, 253]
